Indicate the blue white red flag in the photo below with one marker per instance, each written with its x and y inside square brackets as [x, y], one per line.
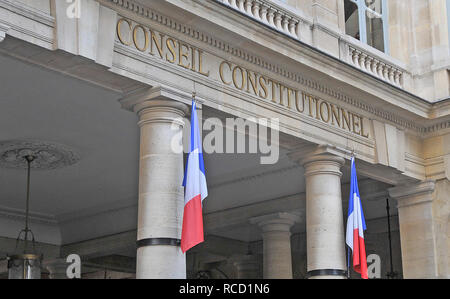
[356, 225]
[195, 189]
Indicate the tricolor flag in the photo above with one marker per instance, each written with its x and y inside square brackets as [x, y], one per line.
[195, 189]
[356, 225]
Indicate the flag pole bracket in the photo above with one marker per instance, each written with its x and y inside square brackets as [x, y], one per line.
[158, 241]
[327, 272]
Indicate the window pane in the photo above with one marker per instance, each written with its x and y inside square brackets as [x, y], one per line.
[375, 36]
[351, 19]
[375, 5]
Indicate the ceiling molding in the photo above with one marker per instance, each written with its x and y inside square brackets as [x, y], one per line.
[19, 214]
[253, 177]
[47, 155]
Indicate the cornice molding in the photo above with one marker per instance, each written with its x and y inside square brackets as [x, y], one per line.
[20, 28]
[413, 194]
[310, 152]
[19, 215]
[436, 128]
[143, 98]
[211, 41]
[253, 177]
[275, 222]
[28, 12]
[96, 211]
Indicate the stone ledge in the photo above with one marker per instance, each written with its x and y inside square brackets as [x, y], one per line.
[3, 30]
[412, 194]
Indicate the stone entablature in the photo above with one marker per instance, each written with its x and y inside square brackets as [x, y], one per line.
[178, 53]
[27, 23]
[139, 11]
[214, 43]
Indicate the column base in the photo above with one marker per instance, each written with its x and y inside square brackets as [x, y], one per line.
[160, 262]
[327, 274]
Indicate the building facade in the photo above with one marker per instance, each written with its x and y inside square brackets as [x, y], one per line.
[288, 91]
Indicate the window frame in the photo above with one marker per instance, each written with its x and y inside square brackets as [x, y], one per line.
[362, 9]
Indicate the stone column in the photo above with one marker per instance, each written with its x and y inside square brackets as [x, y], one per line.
[423, 212]
[246, 266]
[277, 256]
[324, 216]
[161, 195]
[57, 268]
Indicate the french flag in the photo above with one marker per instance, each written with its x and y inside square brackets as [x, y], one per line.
[195, 189]
[356, 225]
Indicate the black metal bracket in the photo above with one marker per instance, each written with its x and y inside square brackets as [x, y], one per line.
[158, 241]
[328, 272]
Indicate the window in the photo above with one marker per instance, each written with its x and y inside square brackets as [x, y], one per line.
[366, 20]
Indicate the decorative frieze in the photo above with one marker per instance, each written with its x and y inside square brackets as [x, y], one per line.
[373, 63]
[284, 94]
[436, 127]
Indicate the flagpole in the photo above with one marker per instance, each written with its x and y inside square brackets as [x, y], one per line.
[392, 274]
[348, 248]
[348, 262]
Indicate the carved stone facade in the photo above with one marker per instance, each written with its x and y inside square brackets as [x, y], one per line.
[333, 95]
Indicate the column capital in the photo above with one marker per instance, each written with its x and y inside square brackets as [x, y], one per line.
[57, 268]
[412, 194]
[311, 153]
[323, 158]
[158, 96]
[276, 233]
[161, 111]
[280, 221]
